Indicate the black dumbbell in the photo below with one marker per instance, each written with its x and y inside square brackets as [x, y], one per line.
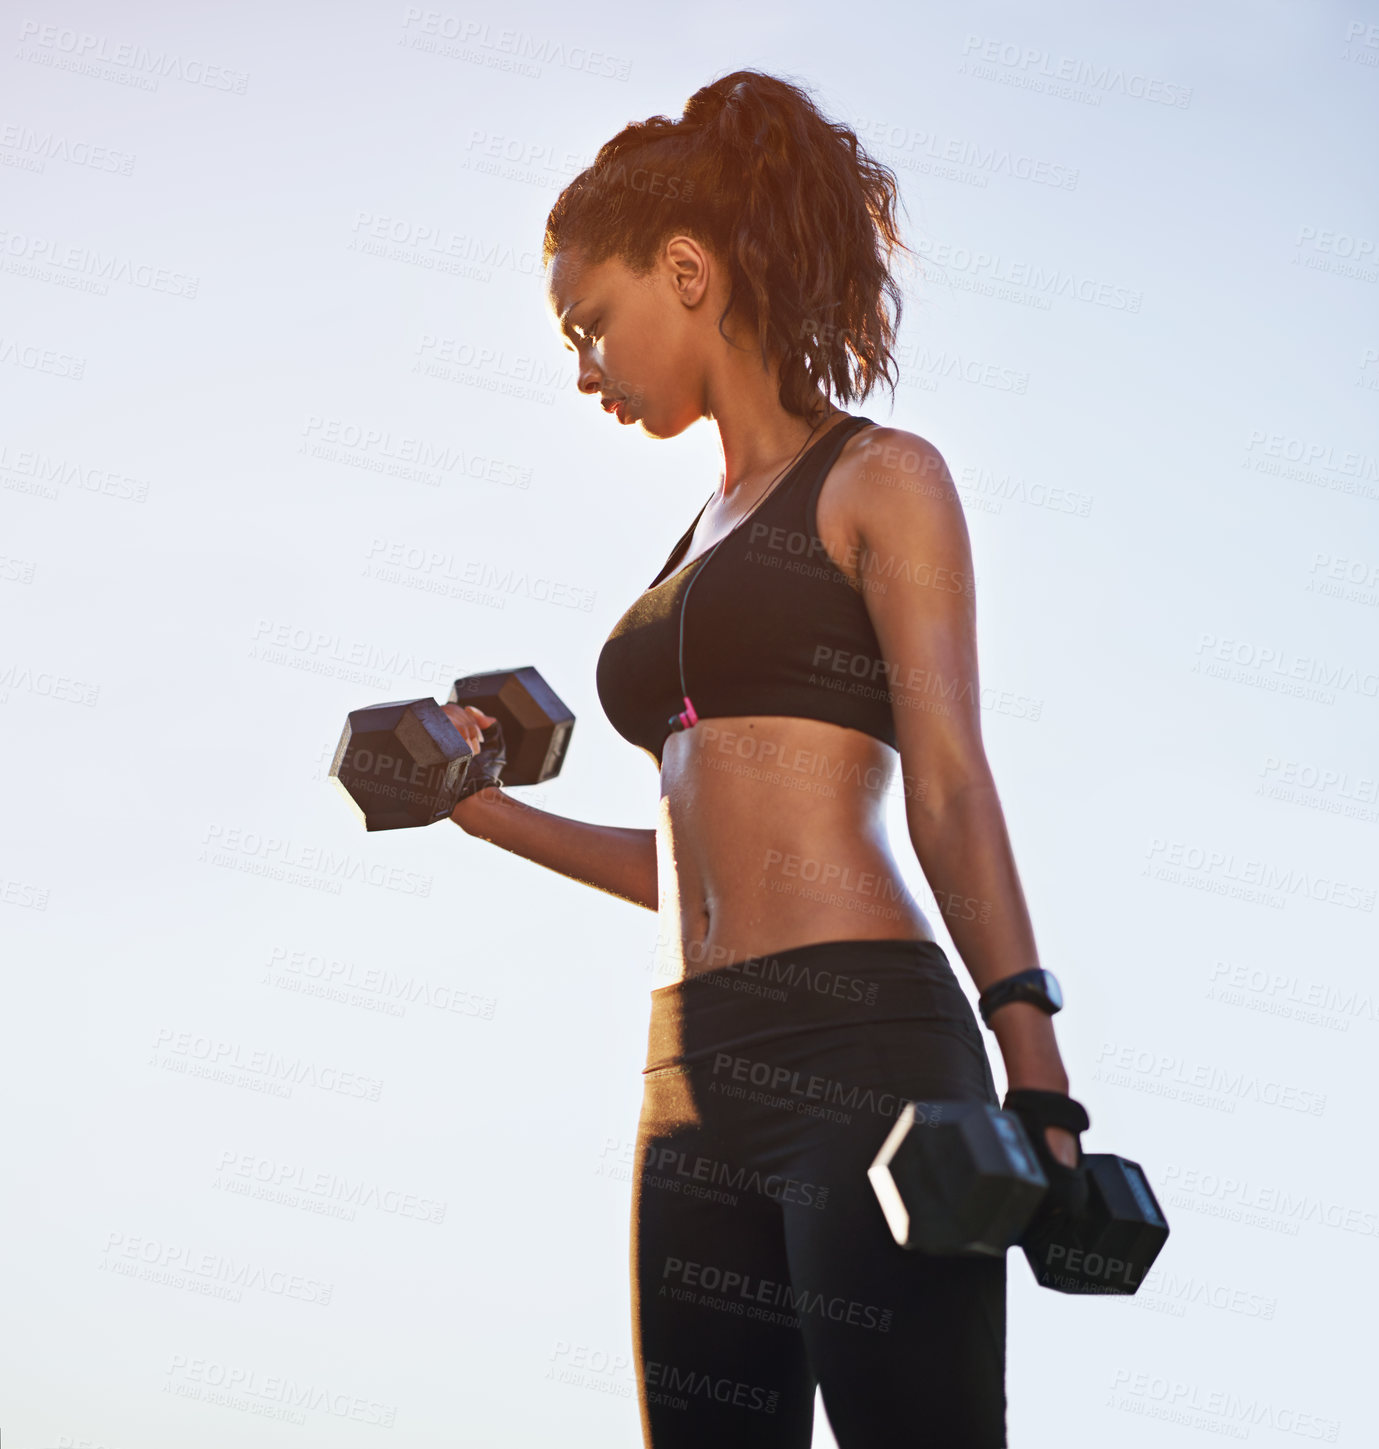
[404, 763]
[957, 1178]
[1109, 1247]
[962, 1178]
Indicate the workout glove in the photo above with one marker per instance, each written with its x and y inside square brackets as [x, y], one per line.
[1036, 1110]
[487, 766]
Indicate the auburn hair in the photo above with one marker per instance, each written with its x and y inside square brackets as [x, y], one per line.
[802, 216]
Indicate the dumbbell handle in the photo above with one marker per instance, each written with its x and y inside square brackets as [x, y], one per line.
[406, 762]
[537, 724]
[464, 720]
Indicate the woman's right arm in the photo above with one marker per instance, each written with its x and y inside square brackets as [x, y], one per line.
[610, 858]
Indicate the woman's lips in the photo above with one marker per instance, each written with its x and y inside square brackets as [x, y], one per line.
[616, 405]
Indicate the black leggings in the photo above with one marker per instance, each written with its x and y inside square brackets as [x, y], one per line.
[762, 1263]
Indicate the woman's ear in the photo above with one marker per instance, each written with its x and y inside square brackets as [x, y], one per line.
[690, 267]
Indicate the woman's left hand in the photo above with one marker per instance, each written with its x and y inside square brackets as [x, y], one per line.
[1062, 1144]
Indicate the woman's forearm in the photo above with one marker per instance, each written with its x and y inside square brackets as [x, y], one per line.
[610, 858]
[966, 856]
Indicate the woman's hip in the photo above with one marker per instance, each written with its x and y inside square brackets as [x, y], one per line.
[819, 987]
[850, 1032]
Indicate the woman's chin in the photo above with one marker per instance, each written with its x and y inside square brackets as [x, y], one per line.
[660, 428]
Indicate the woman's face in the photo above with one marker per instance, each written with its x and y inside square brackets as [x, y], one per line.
[640, 340]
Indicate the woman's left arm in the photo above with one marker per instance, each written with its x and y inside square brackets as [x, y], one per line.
[915, 567]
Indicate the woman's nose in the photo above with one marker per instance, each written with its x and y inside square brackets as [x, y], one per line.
[589, 379]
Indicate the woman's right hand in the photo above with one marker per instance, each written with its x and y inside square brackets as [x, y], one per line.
[471, 722]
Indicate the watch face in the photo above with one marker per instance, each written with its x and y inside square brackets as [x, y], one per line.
[1051, 990]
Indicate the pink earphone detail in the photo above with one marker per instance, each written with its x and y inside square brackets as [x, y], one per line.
[685, 718]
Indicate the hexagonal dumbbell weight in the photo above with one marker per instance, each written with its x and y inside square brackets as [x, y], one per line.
[404, 763]
[957, 1178]
[963, 1178]
[536, 725]
[1110, 1247]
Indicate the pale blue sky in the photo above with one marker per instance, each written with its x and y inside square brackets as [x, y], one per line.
[1144, 336]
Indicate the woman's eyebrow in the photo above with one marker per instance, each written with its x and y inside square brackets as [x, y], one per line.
[565, 326]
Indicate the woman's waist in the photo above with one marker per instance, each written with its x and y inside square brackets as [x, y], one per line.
[756, 752]
[743, 784]
[739, 893]
[819, 986]
[738, 927]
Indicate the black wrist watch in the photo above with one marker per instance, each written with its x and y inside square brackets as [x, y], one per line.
[1039, 987]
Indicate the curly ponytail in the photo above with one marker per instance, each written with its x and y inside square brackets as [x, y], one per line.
[803, 217]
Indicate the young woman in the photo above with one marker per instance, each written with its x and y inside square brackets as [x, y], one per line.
[814, 625]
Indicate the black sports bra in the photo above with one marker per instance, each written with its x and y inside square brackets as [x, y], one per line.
[773, 628]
